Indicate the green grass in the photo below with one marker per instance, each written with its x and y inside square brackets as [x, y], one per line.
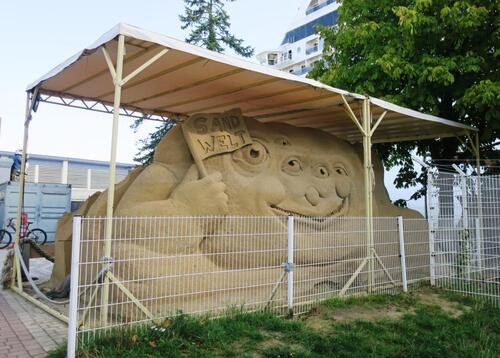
[421, 330]
[373, 301]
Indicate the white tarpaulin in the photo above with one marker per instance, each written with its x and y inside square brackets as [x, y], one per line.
[189, 79]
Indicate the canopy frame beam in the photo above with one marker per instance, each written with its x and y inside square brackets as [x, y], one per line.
[367, 129]
[31, 101]
[104, 107]
[119, 82]
[351, 115]
[142, 67]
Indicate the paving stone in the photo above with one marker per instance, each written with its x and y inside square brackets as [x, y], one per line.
[26, 330]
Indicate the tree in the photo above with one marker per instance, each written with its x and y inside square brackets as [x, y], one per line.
[211, 29]
[148, 145]
[436, 56]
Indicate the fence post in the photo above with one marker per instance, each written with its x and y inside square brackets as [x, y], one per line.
[479, 249]
[73, 293]
[432, 231]
[289, 267]
[402, 253]
[466, 248]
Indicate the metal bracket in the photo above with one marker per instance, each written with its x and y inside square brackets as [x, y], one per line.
[288, 267]
[108, 260]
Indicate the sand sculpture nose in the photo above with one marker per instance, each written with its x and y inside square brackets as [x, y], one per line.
[312, 196]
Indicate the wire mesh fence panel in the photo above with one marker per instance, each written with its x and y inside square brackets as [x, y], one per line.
[160, 267]
[327, 253]
[464, 214]
[332, 257]
[417, 250]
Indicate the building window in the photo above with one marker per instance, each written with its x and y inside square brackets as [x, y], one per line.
[272, 59]
[310, 28]
[289, 54]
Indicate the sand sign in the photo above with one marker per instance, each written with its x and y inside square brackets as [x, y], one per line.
[212, 134]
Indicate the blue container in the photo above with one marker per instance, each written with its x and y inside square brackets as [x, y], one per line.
[45, 204]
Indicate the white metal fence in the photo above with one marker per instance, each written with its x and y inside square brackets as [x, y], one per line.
[160, 267]
[464, 223]
[207, 265]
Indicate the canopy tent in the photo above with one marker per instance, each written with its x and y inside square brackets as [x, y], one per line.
[187, 79]
[133, 72]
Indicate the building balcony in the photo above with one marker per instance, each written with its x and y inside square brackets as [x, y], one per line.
[312, 49]
[319, 6]
[302, 71]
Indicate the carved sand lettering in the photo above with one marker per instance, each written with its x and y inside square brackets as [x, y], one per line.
[200, 125]
[209, 135]
[206, 146]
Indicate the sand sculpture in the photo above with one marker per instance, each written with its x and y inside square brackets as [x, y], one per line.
[283, 170]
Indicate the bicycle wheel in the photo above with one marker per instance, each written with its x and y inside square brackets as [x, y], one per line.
[5, 239]
[37, 235]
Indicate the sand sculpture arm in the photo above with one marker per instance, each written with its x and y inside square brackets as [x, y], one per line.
[158, 192]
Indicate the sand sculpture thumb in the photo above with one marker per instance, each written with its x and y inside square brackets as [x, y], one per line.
[219, 164]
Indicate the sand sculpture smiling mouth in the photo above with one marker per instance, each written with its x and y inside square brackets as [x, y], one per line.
[285, 171]
[338, 212]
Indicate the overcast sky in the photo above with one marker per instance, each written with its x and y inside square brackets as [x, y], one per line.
[38, 35]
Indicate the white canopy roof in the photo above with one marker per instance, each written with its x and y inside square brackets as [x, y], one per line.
[189, 79]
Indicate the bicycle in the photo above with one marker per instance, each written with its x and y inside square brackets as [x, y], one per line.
[37, 235]
[5, 238]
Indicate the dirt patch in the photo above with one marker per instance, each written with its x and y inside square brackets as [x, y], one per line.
[325, 317]
[322, 317]
[274, 341]
[268, 343]
[434, 299]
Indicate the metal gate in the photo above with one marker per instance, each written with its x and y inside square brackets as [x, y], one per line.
[464, 224]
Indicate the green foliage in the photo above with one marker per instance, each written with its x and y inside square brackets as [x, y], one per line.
[379, 300]
[436, 56]
[148, 145]
[210, 27]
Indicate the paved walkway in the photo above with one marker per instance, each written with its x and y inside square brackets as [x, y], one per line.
[26, 330]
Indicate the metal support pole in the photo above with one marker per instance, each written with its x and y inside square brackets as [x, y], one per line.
[465, 221]
[73, 293]
[479, 221]
[368, 182]
[464, 243]
[402, 253]
[117, 79]
[478, 154]
[465, 202]
[430, 222]
[30, 98]
[289, 268]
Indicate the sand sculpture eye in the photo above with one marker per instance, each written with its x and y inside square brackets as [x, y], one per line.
[282, 141]
[253, 154]
[292, 166]
[321, 171]
[340, 170]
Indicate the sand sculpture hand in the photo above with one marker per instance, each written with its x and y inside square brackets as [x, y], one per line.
[204, 196]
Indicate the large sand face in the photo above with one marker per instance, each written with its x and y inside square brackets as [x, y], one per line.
[287, 170]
